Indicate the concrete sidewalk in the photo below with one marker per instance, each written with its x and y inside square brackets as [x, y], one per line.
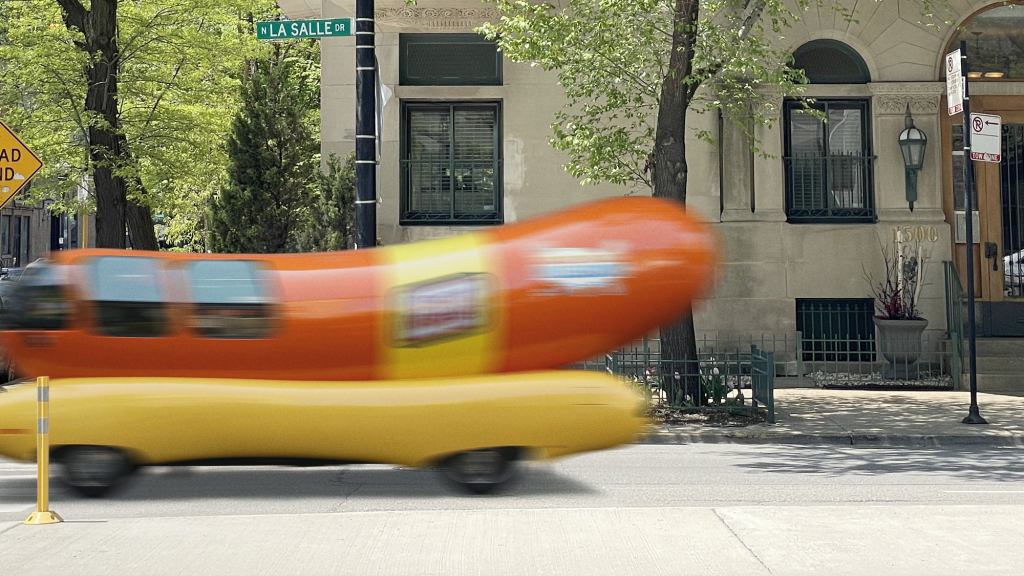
[869, 418]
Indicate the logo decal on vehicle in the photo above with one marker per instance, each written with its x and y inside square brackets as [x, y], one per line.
[442, 309]
[581, 270]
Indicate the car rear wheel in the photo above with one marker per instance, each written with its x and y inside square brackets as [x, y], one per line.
[93, 470]
[481, 471]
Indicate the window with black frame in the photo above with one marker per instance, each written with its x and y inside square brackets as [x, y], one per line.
[451, 163]
[828, 162]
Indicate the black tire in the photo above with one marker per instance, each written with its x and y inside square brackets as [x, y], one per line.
[481, 471]
[93, 471]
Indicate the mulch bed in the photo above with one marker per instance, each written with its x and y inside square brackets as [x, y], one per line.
[713, 416]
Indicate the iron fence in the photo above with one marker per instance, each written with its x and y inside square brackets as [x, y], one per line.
[723, 368]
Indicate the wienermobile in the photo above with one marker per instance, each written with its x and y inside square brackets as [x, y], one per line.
[442, 352]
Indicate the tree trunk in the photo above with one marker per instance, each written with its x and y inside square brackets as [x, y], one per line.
[669, 173]
[141, 231]
[100, 29]
[108, 148]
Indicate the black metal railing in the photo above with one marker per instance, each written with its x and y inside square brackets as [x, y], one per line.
[954, 321]
[451, 191]
[829, 188]
[836, 329]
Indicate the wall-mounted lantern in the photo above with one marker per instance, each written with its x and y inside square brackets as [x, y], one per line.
[912, 144]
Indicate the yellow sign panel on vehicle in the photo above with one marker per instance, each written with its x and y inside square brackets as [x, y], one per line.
[18, 164]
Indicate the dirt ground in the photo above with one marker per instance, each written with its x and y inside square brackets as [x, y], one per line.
[716, 416]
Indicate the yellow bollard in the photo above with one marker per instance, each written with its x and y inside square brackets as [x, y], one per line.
[43, 515]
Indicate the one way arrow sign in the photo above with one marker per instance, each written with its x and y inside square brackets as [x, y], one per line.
[986, 137]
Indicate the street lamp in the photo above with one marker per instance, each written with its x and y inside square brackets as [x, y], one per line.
[912, 144]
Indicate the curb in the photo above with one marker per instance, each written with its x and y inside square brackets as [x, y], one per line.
[841, 439]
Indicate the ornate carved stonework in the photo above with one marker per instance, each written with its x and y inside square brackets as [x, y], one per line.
[892, 98]
[455, 18]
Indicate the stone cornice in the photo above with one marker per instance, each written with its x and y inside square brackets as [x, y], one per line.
[451, 18]
[893, 97]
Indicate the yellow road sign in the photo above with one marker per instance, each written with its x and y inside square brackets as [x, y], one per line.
[18, 164]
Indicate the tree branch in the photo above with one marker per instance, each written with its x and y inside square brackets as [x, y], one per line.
[74, 14]
[756, 8]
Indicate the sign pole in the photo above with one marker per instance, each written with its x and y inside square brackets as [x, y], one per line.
[366, 137]
[974, 414]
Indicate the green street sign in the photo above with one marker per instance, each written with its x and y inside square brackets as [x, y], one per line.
[287, 29]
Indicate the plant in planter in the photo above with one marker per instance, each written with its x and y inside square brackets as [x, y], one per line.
[898, 320]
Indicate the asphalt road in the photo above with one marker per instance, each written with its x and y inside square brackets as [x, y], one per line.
[645, 509]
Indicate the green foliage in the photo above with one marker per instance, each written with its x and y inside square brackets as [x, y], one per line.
[273, 156]
[330, 216]
[612, 59]
[179, 88]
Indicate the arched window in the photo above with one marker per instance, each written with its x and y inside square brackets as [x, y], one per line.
[831, 62]
[995, 42]
[828, 155]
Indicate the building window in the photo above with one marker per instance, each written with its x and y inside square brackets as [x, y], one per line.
[448, 60]
[831, 62]
[451, 163]
[230, 299]
[127, 295]
[836, 329]
[828, 162]
[995, 42]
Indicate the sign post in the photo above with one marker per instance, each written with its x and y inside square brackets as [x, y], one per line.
[18, 164]
[956, 66]
[366, 127]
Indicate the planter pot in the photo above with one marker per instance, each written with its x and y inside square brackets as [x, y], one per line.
[900, 344]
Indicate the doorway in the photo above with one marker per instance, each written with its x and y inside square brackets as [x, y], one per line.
[998, 218]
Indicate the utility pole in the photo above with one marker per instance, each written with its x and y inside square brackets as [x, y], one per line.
[366, 137]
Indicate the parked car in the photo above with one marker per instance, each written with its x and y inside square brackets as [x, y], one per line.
[1013, 274]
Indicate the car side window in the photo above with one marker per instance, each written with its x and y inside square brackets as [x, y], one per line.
[230, 299]
[127, 296]
[37, 300]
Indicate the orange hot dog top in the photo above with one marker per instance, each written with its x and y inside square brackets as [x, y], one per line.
[537, 294]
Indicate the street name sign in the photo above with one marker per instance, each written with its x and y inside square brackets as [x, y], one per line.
[18, 164]
[986, 137]
[290, 29]
[954, 84]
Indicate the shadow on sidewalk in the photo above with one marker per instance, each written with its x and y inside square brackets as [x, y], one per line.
[985, 465]
[897, 412]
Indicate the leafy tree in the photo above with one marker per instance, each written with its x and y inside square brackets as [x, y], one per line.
[330, 217]
[130, 100]
[273, 154]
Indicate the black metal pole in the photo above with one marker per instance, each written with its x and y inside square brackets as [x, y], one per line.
[974, 415]
[366, 139]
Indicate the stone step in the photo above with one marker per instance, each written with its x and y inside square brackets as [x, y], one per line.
[998, 347]
[1012, 385]
[1001, 365]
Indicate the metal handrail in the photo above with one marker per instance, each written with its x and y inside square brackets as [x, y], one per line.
[954, 319]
